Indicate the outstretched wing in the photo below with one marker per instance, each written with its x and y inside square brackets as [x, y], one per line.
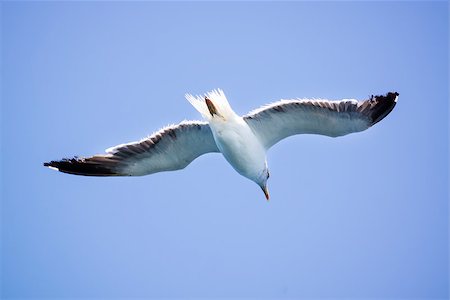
[284, 118]
[171, 148]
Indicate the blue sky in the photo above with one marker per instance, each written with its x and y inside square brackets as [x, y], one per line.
[362, 216]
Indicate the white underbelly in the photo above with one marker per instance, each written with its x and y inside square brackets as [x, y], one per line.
[240, 147]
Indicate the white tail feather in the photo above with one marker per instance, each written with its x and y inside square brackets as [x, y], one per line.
[218, 99]
[199, 105]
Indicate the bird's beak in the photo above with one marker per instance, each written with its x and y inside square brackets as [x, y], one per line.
[266, 192]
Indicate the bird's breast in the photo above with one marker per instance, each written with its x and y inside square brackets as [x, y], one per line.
[240, 147]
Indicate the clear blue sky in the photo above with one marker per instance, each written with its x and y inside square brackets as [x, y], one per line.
[362, 216]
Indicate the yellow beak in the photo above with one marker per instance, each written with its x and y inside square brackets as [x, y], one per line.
[266, 192]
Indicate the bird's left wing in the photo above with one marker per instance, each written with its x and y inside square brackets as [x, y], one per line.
[284, 118]
[171, 148]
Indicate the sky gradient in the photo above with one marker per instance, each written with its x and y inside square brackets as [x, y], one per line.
[361, 216]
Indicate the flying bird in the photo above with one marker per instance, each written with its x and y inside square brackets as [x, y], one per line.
[243, 140]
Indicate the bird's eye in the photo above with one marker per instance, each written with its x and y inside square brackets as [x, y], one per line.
[268, 174]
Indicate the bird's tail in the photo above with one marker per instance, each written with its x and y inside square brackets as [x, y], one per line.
[212, 103]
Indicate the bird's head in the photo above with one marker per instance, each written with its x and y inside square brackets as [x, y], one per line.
[262, 181]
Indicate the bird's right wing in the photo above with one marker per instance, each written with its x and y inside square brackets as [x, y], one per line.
[284, 118]
[171, 148]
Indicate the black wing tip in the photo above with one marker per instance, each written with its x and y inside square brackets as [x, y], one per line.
[54, 164]
[82, 166]
[381, 106]
[393, 96]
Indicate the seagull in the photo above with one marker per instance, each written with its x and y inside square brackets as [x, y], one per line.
[242, 140]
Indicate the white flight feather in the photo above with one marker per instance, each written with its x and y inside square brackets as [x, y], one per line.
[271, 126]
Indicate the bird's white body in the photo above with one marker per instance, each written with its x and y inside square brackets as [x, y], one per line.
[239, 145]
[234, 138]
